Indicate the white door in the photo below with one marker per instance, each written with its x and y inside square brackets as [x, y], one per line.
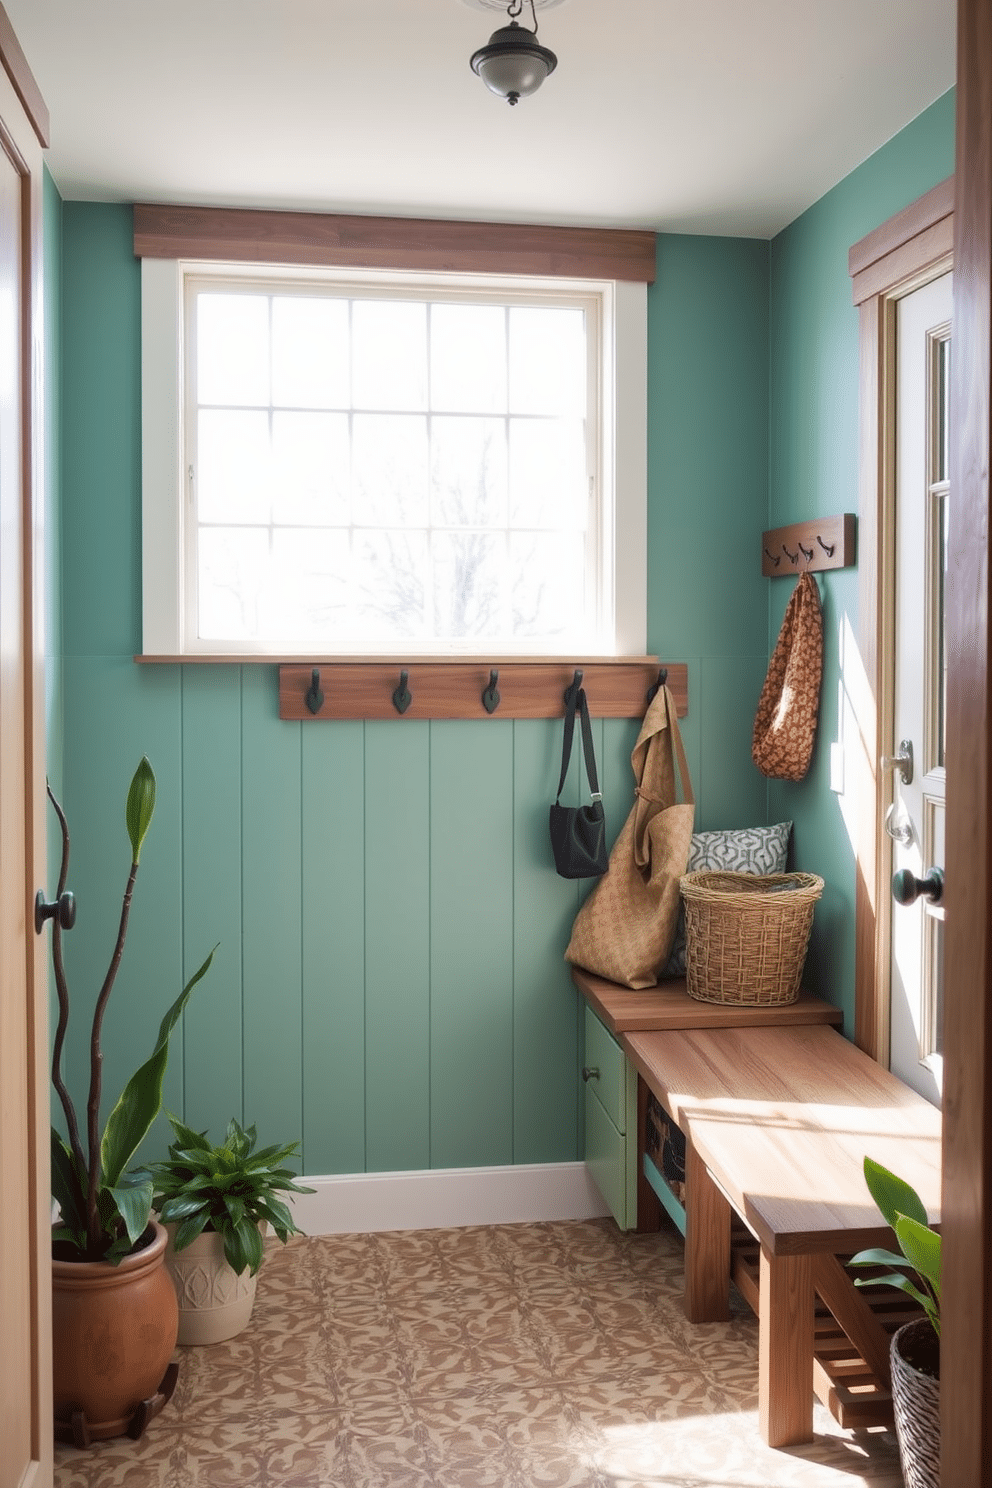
[916, 818]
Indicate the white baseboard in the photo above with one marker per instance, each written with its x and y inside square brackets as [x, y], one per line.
[447, 1198]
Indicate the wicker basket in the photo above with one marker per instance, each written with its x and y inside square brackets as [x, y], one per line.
[746, 935]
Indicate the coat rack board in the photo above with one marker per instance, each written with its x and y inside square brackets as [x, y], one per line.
[467, 689]
[819, 544]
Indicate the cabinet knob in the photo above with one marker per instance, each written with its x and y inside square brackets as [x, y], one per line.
[590, 1072]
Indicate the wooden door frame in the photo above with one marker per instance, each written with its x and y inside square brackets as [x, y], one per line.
[966, 1205]
[25, 128]
[904, 253]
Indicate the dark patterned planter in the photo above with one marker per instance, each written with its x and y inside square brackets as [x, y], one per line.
[915, 1356]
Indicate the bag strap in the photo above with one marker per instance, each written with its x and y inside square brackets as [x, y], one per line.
[575, 697]
[679, 752]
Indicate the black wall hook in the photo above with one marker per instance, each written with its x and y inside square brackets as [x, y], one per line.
[792, 557]
[402, 696]
[775, 558]
[490, 698]
[572, 690]
[314, 698]
[828, 548]
[656, 687]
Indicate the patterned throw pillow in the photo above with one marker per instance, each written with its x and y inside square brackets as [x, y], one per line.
[748, 850]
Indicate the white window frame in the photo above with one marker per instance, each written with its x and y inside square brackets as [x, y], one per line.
[622, 456]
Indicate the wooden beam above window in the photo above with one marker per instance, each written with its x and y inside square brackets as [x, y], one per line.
[331, 240]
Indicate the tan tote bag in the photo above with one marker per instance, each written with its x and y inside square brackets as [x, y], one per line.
[624, 930]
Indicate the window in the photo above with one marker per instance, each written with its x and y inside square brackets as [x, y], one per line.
[390, 464]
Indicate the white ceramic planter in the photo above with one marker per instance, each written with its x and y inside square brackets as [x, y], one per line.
[214, 1302]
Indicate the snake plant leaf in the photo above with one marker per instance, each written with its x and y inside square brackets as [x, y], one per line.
[140, 806]
[893, 1195]
[129, 1122]
[133, 1197]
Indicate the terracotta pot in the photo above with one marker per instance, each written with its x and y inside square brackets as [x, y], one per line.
[915, 1357]
[214, 1302]
[113, 1333]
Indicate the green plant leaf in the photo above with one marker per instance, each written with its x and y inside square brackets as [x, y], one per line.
[180, 1207]
[892, 1195]
[922, 1248]
[69, 1237]
[67, 1190]
[235, 1208]
[877, 1258]
[140, 806]
[243, 1247]
[188, 1139]
[129, 1122]
[190, 1228]
[133, 1197]
[895, 1279]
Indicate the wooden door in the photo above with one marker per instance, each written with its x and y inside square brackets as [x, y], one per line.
[966, 1337]
[25, 1267]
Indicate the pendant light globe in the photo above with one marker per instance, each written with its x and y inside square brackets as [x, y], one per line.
[513, 63]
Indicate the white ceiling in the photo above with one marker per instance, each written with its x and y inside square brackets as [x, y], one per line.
[713, 116]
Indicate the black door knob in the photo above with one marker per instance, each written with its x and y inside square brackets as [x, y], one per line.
[907, 888]
[63, 909]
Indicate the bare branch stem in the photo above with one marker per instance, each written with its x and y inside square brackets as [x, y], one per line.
[62, 989]
[96, 1067]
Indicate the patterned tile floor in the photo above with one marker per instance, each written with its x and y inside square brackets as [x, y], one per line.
[524, 1356]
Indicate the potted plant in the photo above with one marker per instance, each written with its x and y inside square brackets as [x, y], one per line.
[215, 1202]
[915, 1347]
[114, 1313]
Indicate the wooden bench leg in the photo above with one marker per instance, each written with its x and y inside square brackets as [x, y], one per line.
[785, 1349]
[707, 1244]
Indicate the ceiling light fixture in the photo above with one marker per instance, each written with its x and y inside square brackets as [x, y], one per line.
[513, 63]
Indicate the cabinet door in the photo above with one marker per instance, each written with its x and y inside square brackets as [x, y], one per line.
[611, 1124]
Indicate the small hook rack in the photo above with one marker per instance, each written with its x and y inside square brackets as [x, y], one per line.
[813, 546]
[402, 696]
[490, 698]
[314, 698]
[656, 687]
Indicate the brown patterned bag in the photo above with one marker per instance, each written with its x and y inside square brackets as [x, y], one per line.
[624, 930]
[785, 724]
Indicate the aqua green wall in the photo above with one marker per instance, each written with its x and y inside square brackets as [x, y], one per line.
[813, 471]
[390, 982]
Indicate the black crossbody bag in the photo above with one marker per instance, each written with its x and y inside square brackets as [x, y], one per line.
[578, 833]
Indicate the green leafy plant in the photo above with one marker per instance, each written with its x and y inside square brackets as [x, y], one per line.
[903, 1209]
[229, 1189]
[104, 1208]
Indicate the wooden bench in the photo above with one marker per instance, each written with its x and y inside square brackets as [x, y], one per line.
[779, 1112]
[778, 1121]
